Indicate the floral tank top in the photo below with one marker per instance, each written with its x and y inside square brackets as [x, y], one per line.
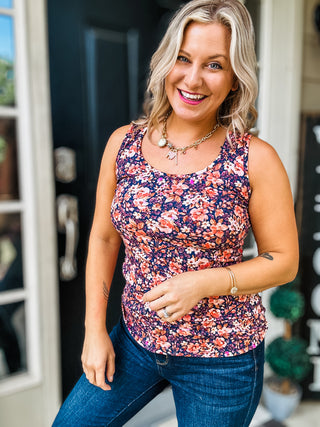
[176, 223]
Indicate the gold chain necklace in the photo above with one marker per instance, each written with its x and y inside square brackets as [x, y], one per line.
[174, 151]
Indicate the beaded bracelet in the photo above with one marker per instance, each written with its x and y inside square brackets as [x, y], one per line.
[234, 288]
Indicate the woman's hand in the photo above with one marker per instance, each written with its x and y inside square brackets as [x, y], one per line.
[176, 296]
[98, 359]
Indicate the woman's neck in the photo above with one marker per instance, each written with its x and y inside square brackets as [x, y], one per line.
[186, 131]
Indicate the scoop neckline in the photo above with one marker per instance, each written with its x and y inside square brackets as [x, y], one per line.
[182, 175]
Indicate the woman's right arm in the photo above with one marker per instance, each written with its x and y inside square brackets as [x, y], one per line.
[98, 358]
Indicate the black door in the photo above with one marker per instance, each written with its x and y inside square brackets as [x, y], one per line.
[99, 54]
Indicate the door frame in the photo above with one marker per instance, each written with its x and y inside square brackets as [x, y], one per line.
[279, 106]
[24, 206]
[281, 47]
[36, 16]
[40, 385]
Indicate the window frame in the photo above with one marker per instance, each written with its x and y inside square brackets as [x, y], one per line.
[25, 206]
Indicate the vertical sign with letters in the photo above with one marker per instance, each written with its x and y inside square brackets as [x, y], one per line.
[308, 216]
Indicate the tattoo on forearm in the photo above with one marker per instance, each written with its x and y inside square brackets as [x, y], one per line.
[266, 255]
[105, 291]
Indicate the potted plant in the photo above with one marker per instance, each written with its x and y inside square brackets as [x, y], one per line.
[286, 355]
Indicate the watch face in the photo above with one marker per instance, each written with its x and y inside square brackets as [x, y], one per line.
[317, 17]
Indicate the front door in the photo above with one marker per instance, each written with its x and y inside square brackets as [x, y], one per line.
[99, 55]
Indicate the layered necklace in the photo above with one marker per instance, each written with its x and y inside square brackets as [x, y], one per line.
[173, 150]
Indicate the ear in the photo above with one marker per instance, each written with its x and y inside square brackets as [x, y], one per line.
[235, 85]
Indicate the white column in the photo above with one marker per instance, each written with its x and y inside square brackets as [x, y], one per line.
[281, 41]
[281, 71]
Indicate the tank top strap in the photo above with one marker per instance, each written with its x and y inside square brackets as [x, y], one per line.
[128, 154]
[131, 136]
[239, 152]
[129, 142]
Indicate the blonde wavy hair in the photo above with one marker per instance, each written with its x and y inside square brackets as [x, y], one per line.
[237, 113]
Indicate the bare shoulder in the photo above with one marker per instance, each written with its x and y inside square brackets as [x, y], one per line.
[264, 161]
[116, 138]
[260, 150]
[113, 145]
[120, 133]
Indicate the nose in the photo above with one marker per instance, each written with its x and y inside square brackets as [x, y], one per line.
[193, 77]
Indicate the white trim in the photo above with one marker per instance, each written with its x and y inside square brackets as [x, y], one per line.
[17, 382]
[279, 100]
[27, 208]
[7, 12]
[9, 297]
[265, 69]
[27, 191]
[280, 85]
[46, 213]
[11, 206]
[8, 112]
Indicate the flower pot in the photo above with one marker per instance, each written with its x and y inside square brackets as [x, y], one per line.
[280, 405]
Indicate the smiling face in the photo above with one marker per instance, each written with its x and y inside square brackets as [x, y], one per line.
[202, 76]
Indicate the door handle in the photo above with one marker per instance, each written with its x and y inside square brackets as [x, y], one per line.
[67, 210]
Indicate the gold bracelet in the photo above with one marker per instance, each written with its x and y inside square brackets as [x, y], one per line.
[234, 288]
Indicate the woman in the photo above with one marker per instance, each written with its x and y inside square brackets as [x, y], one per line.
[181, 188]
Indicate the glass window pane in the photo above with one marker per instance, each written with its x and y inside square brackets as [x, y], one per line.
[6, 60]
[12, 339]
[6, 3]
[11, 275]
[9, 187]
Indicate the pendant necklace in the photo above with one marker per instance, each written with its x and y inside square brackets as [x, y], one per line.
[173, 150]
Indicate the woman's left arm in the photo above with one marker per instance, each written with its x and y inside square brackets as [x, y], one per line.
[273, 222]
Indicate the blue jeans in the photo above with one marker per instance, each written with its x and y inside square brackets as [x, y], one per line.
[208, 392]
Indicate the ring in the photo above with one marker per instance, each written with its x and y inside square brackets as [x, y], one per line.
[165, 313]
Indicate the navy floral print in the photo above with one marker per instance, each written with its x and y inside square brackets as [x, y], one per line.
[176, 223]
